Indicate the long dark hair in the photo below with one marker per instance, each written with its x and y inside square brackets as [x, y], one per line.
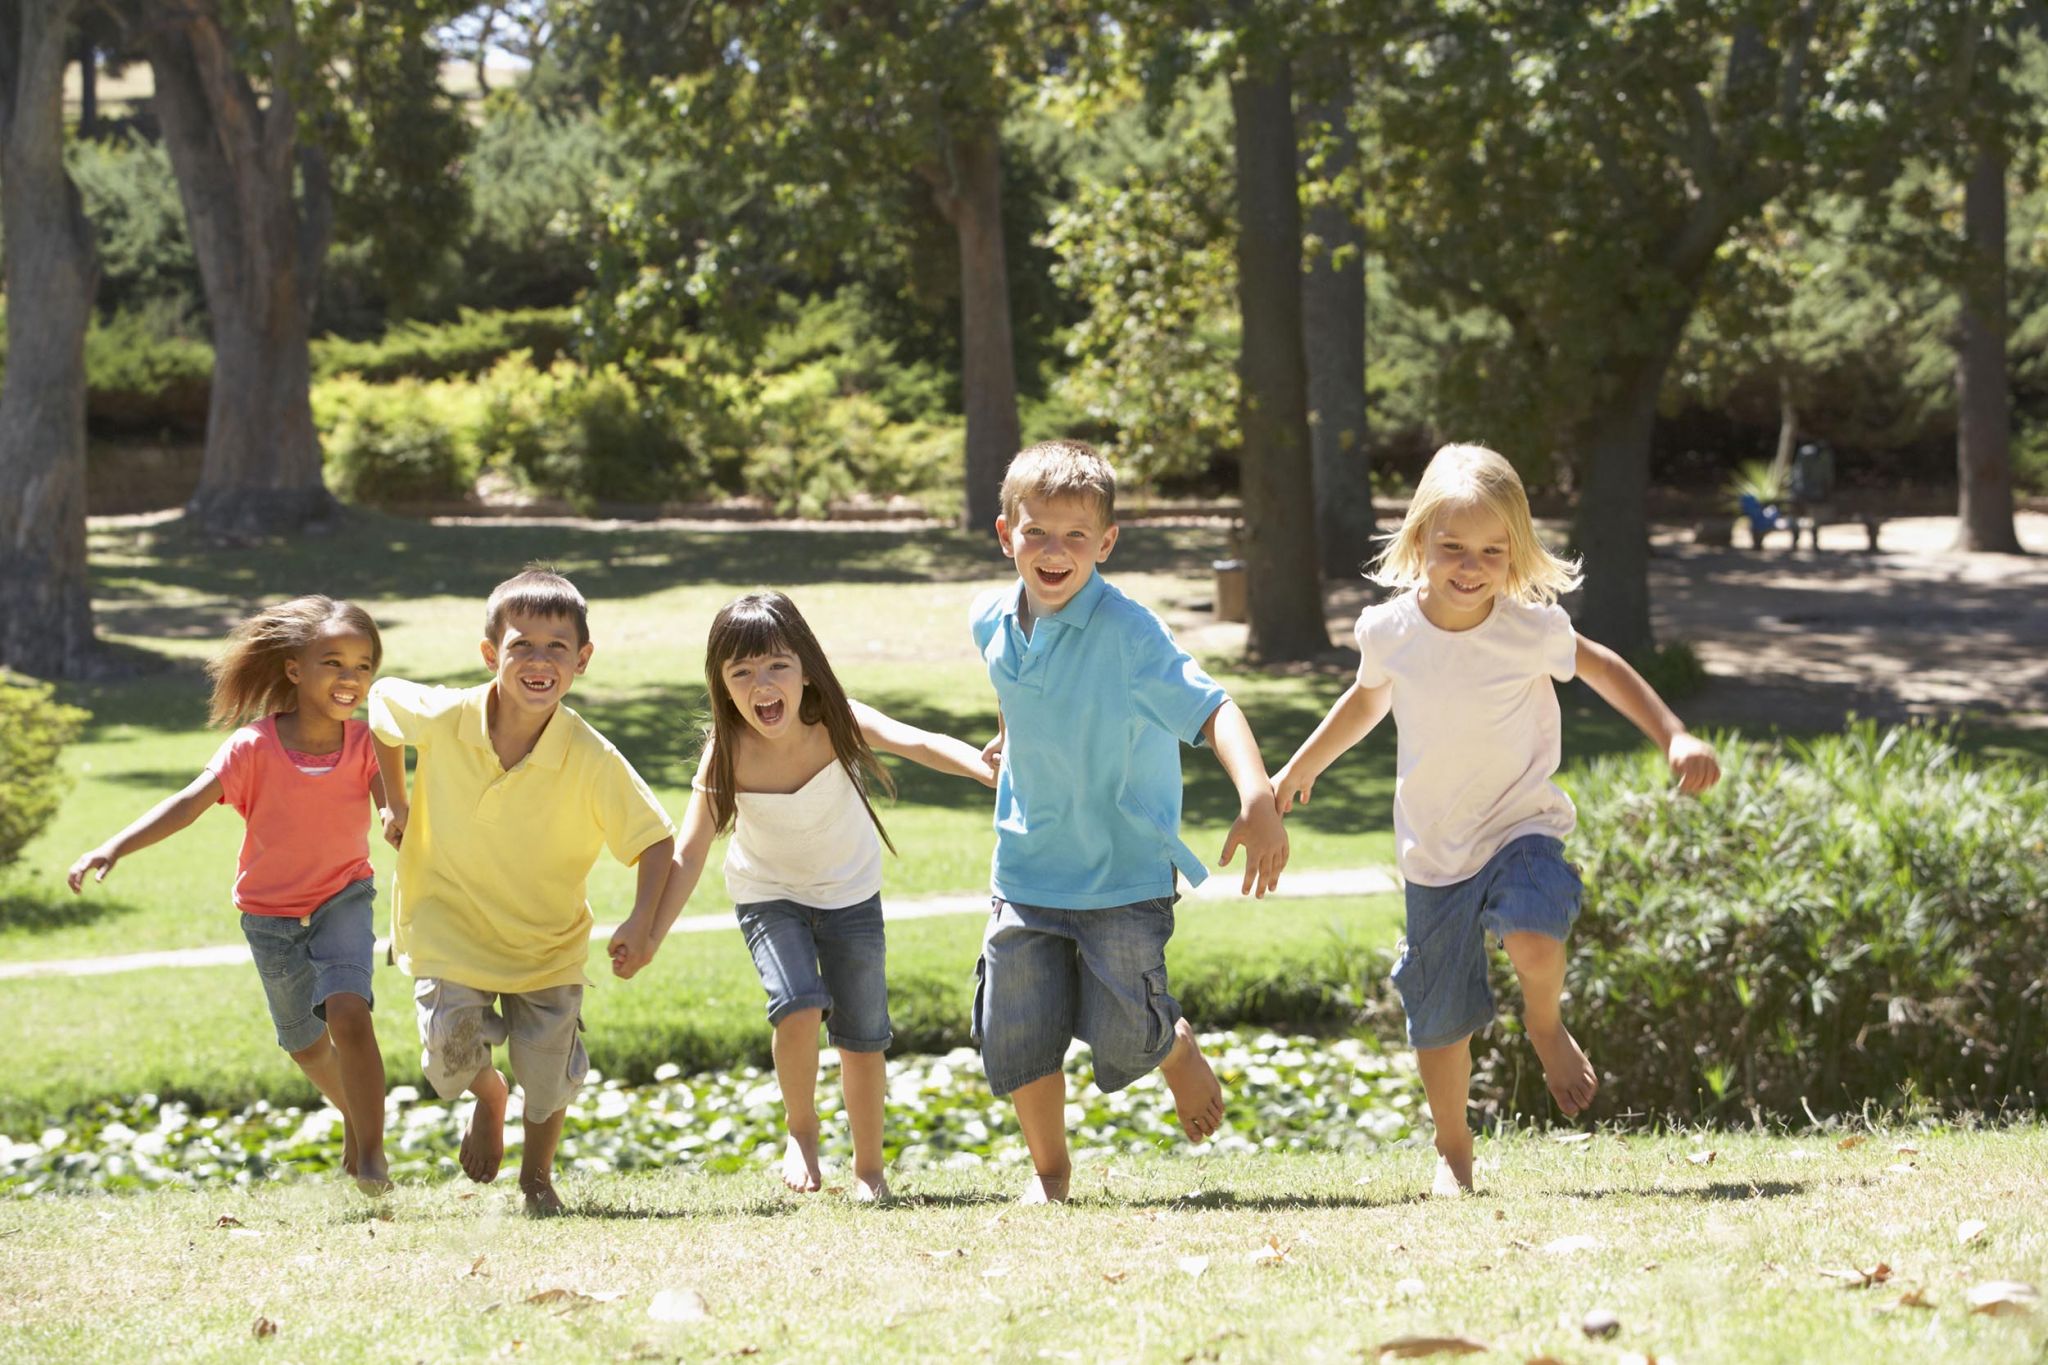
[769, 623]
[248, 674]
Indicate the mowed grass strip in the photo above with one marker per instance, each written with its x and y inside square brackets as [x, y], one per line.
[1779, 1249]
[202, 1035]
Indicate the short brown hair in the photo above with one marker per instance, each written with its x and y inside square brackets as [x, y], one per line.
[536, 590]
[1061, 469]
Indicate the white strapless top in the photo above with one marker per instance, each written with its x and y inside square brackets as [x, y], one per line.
[815, 846]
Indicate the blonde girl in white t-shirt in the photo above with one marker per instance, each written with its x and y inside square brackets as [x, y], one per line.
[1465, 656]
[786, 768]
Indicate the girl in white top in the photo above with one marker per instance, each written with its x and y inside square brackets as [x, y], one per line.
[1465, 658]
[786, 766]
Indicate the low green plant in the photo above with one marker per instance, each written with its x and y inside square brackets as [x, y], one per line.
[1761, 479]
[34, 728]
[2030, 458]
[587, 435]
[470, 346]
[397, 443]
[1674, 670]
[148, 368]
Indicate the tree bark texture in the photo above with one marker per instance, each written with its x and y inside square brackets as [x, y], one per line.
[968, 189]
[1283, 588]
[260, 240]
[1333, 323]
[52, 271]
[1983, 399]
[1612, 522]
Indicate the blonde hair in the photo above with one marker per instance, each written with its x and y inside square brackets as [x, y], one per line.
[1061, 469]
[1461, 476]
[249, 677]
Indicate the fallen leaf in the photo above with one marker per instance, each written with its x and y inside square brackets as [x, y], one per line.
[262, 1327]
[943, 1255]
[1565, 1246]
[1851, 1142]
[1969, 1230]
[748, 1350]
[1569, 1138]
[1600, 1324]
[1906, 1149]
[1916, 1297]
[476, 1269]
[1700, 1158]
[1414, 1348]
[2002, 1298]
[678, 1305]
[1902, 1168]
[1634, 1358]
[1193, 1265]
[1271, 1253]
[1116, 1276]
[564, 1298]
[227, 1220]
[1855, 1278]
[1521, 1245]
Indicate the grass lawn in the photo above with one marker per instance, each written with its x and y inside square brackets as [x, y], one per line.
[1759, 1255]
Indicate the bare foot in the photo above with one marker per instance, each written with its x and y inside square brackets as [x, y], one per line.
[483, 1142]
[1197, 1094]
[349, 1160]
[800, 1163]
[1565, 1069]
[870, 1189]
[1453, 1178]
[1047, 1189]
[541, 1199]
[373, 1175]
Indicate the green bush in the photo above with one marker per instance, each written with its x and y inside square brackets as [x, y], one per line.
[587, 435]
[397, 443]
[148, 368]
[130, 196]
[810, 445]
[1849, 920]
[2030, 459]
[34, 728]
[471, 345]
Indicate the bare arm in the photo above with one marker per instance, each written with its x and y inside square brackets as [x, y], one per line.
[164, 819]
[1621, 687]
[1257, 827]
[393, 805]
[940, 753]
[635, 942]
[1349, 721]
[992, 752]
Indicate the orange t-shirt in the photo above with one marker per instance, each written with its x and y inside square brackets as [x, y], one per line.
[308, 834]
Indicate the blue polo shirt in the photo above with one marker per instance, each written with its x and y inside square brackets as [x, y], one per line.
[1096, 704]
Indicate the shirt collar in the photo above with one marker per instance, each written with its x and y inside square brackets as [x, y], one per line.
[1077, 613]
[548, 751]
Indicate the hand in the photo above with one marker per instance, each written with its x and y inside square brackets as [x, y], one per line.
[1291, 785]
[630, 948]
[394, 818]
[99, 860]
[1264, 840]
[992, 759]
[1692, 761]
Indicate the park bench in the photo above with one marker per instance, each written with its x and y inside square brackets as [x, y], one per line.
[1811, 502]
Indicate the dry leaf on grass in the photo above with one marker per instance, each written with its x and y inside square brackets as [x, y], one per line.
[476, 1270]
[1906, 1149]
[2002, 1298]
[1565, 1246]
[262, 1327]
[1193, 1265]
[1851, 1142]
[1572, 1137]
[1700, 1158]
[947, 1254]
[1969, 1230]
[1854, 1278]
[1600, 1324]
[1415, 1348]
[1116, 1276]
[679, 1305]
[568, 1300]
[1902, 1168]
[227, 1220]
[1271, 1252]
[1916, 1297]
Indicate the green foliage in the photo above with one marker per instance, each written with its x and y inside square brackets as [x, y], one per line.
[1673, 670]
[470, 345]
[397, 443]
[131, 199]
[147, 369]
[1848, 919]
[588, 435]
[2030, 459]
[34, 728]
[1759, 479]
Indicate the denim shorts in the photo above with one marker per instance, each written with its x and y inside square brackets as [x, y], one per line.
[830, 960]
[302, 963]
[1047, 977]
[542, 1031]
[1527, 887]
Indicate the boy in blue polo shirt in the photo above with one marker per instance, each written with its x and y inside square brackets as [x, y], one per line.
[1096, 700]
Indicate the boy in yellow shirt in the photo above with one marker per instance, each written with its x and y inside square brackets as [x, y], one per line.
[514, 798]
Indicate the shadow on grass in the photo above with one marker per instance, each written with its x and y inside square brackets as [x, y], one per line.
[1729, 1191]
[602, 1210]
[35, 906]
[1215, 1200]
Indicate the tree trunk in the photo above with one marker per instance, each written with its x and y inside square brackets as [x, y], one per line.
[1983, 400]
[88, 89]
[259, 246]
[969, 192]
[1788, 430]
[1613, 510]
[52, 270]
[1333, 321]
[1283, 590]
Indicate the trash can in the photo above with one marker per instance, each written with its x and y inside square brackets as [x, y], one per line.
[1228, 601]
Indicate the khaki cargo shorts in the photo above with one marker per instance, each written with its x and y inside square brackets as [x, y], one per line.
[459, 1025]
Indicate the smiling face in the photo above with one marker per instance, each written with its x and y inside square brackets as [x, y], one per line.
[1057, 542]
[332, 673]
[535, 659]
[768, 692]
[1465, 565]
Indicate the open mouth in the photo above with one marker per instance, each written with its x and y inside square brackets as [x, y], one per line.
[770, 713]
[537, 687]
[1052, 578]
[1468, 587]
[347, 699]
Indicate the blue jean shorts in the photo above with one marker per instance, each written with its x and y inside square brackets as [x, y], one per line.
[1048, 976]
[302, 964]
[1527, 887]
[830, 960]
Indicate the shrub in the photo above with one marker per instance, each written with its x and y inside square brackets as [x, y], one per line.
[34, 728]
[130, 196]
[587, 435]
[812, 446]
[396, 443]
[1852, 919]
[471, 345]
[147, 368]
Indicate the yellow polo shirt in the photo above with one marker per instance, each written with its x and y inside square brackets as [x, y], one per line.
[493, 869]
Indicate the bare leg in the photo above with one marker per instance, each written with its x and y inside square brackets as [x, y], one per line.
[1447, 1082]
[796, 1071]
[323, 1069]
[537, 1165]
[1539, 963]
[483, 1143]
[362, 1081]
[1197, 1094]
[1042, 1115]
[863, 1077]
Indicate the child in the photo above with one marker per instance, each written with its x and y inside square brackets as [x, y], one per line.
[514, 797]
[1095, 699]
[302, 776]
[786, 768]
[1464, 657]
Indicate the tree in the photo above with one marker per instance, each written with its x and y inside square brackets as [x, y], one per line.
[51, 271]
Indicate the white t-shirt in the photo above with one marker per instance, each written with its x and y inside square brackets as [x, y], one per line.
[815, 846]
[1479, 730]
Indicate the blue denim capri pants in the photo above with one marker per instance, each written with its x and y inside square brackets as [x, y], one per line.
[303, 962]
[829, 960]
